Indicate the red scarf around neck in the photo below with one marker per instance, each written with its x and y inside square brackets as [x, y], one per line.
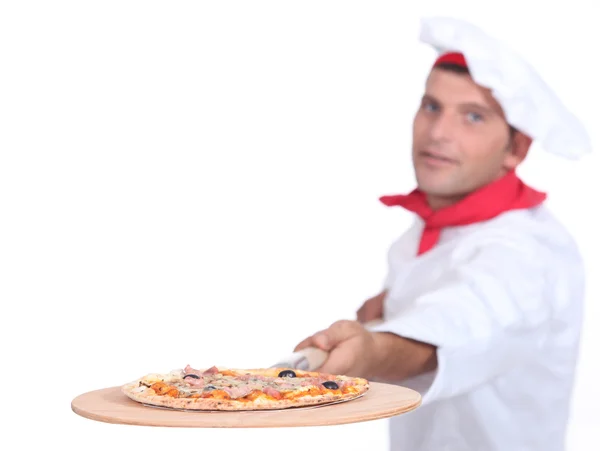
[507, 193]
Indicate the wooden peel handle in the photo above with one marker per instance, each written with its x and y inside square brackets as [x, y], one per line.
[316, 357]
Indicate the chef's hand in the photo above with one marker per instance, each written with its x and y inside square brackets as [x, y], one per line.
[372, 309]
[352, 349]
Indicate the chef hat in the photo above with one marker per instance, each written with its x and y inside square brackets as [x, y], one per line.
[528, 103]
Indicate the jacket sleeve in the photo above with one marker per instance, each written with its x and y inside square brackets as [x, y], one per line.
[487, 315]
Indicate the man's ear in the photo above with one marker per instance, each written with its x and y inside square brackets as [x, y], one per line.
[518, 147]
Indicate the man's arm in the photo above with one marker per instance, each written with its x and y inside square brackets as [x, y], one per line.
[402, 358]
[484, 317]
[383, 356]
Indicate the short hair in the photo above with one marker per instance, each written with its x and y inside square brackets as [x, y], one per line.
[453, 67]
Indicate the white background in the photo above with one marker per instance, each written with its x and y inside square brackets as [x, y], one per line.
[197, 182]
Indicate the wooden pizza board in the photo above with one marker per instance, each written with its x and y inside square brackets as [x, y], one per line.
[109, 405]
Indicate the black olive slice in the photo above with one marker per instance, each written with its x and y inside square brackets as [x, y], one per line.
[287, 373]
[195, 376]
[331, 385]
[210, 388]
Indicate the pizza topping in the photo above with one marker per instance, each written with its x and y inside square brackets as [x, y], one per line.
[195, 383]
[272, 392]
[311, 381]
[189, 370]
[235, 389]
[211, 370]
[287, 373]
[287, 386]
[238, 392]
[195, 376]
[164, 389]
[257, 377]
[235, 385]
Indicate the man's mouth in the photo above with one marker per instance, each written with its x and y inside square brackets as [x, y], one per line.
[436, 158]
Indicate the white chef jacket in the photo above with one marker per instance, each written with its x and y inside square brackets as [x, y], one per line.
[502, 301]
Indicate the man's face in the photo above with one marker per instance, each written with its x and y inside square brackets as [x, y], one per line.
[461, 140]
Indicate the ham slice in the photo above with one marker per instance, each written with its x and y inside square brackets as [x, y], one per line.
[196, 383]
[189, 370]
[211, 370]
[313, 381]
[239, 392]
[272, 392]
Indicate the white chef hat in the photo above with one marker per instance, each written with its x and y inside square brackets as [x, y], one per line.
[528, 102]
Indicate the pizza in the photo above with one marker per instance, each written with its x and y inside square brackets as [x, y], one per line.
[236, 389]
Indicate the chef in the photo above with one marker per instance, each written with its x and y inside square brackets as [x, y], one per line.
[482, 304]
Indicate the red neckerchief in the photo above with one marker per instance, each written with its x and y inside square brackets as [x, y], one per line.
[504, 194]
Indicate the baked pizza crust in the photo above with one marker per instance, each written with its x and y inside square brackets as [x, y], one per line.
[137, 391]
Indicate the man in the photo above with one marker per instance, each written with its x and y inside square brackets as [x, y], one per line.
[482, 304]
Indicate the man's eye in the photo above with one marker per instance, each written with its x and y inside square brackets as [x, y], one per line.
[430, 107]
[474, 117]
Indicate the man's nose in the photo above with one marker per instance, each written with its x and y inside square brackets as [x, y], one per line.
[442, 128]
